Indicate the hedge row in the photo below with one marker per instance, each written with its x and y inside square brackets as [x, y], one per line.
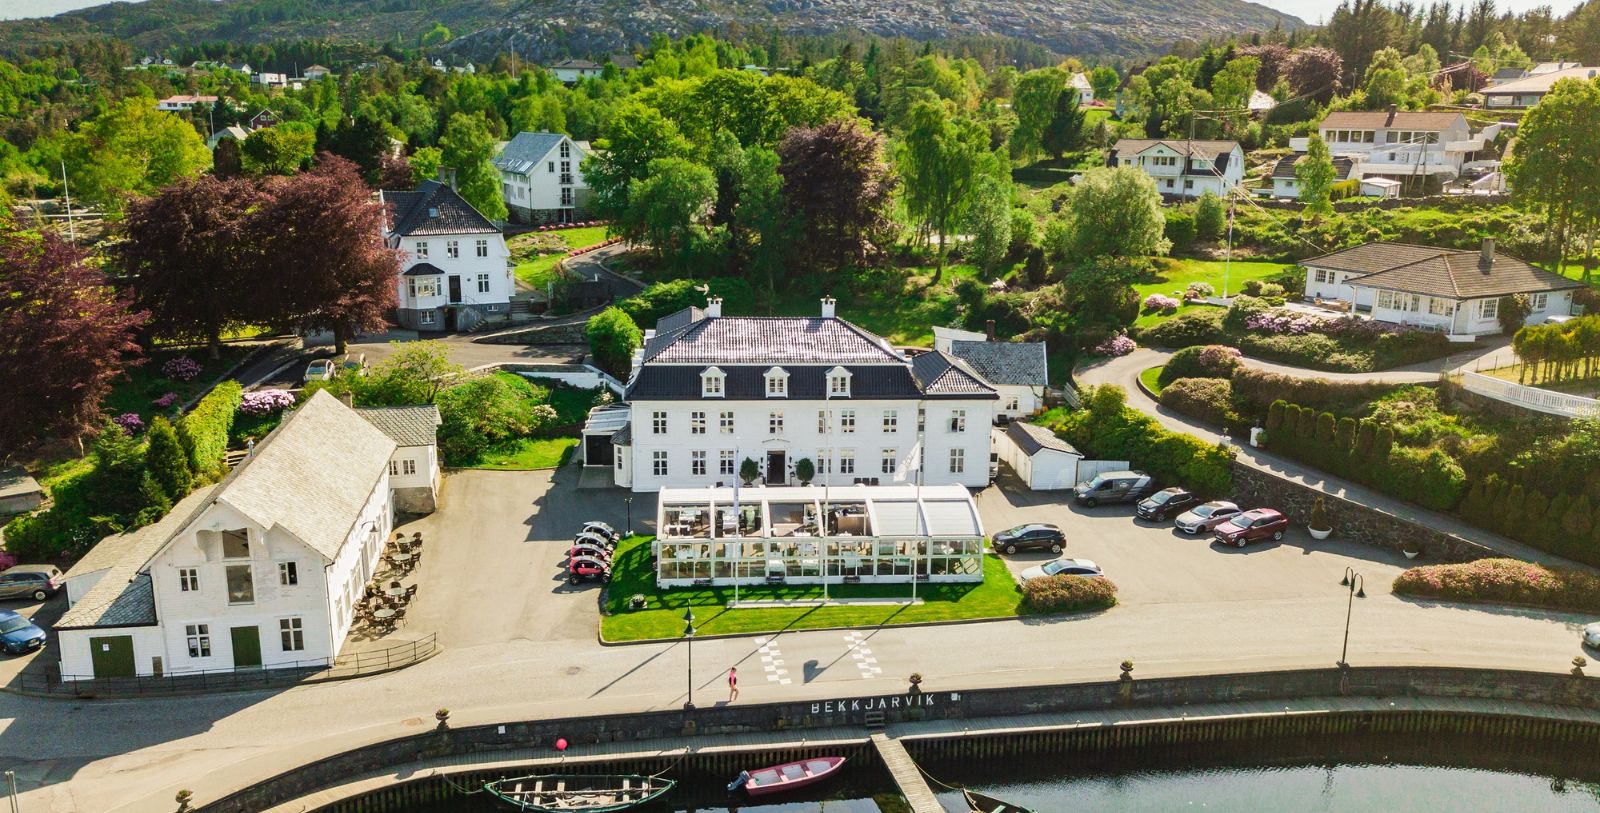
[1206, 399]
[1510, 581]
[1567, 525]
[1107, 428]
[1200, 361]
[1257, 389]
[1067, 594]
[203, 432]
[1364, 451]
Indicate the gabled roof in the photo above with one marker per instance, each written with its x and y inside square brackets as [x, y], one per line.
[433, 208]
[1369, 258]
[747, 382]
[1012, 364]
[678, 321]
[769, 340]
[1285, 167]
[405, 425]
[1031, 437]
[579, 64]
[1539, 82]
[943, 375]
[1079, 81]
[123, 596]
[1384, 119]
[1463, 275]
[1199, 148]
[524, 151]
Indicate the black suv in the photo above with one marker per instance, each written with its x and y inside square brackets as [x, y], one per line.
[1038, 536]
[1165, 503]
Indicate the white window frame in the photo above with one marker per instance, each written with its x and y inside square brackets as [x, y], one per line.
[838, 383]
[188, 580]
[725, 420]
[483, 283]
[452, 249]
[958, 420]
[483, 248]
[777, 383]
[725, 462]
[888, 461]
[847, 461]
[774, 423]
[713, 383]
[1539, 301]
[658, 423]
[847, 422]
[891, 421]
[958, 461]
[658, 463]
[292, 634]
[198, 639]
[697, 462]
[1488, 308]
[697, 423]
[420, 249]
[288, 574]
[426, 318]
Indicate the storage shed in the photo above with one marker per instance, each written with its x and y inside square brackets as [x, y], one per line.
[1043, 461]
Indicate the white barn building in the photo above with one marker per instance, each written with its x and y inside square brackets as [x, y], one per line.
[261, 570]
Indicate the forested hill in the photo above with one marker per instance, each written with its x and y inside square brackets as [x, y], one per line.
[542, 29]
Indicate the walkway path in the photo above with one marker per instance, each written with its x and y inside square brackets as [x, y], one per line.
[1124, 372]
[907, 777]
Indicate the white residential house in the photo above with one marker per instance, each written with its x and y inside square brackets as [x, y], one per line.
[270, 79]
[457, 272]
[1401, 144]
[541, 178]
[232, 131]
[1018, 371]
[261, 570]
[315, 72]
[1285, 184]
[1454, 291]
[183, 102]
[1529, 90]
[1079, 84]
[1183, 168]
[571, 70]
[414, 467]
[708, 392]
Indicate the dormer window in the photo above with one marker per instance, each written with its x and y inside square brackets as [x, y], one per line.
[713, 383]
[838, 383]
[777, 383]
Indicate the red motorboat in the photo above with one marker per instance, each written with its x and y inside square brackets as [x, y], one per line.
[788, 776]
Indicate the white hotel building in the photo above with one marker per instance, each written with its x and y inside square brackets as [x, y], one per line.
[708, 392]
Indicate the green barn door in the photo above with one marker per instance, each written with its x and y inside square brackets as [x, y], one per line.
[112, 656]
[246, 647]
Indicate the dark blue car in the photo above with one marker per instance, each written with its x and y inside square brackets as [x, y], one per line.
[18, 635]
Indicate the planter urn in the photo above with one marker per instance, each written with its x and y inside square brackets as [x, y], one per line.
[1320, 533]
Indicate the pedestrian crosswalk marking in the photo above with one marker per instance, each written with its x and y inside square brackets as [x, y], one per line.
[866, 662]
[772, 663]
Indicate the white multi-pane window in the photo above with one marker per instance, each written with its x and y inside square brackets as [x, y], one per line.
[288, 574]
[483, 248]
[822, 422]
[198, 637]
[658, 423]
[726, 420]
[711, 385]
[958, 420]
[725, 461]
[958, 461]
[697, 462]
[658, 463]
[1539, 301]
[774, 423]
[888, 461]
[839, 384]
[188, 579]
[292, 634]
[847, 421]
[891, 421]
[847, 461]
[697, 423]
[566, 196]
[483, 283]
[452, 249]
[1487, 308]
[777, 384]
[419, 249]
[824, 461]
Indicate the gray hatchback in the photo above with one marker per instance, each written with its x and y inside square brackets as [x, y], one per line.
[37, 582]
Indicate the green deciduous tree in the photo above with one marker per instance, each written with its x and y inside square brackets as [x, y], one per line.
[467, 148]
[1064, 132]
[1554, 169]
[1116, 213]
[666, 207]
[1034, 102]
[280, 150]
[939, 161]
[989, 220]
[637, 135]
[612, 339]
[132, 148]
[1105, 81]
[1210, 217]
[1315, 174]
[414, 373]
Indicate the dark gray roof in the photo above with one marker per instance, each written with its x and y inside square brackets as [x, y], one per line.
[1369, 258]
[945, 376]
[1015, 364]
[680, 320]
[1285, 166]
[1463, 275]
[423, 270]
[580, 64]
[405, 425]
[770, 340]
[526, 150]
[1031, 437]
[433, 208]
[623, 436]
[747, 382]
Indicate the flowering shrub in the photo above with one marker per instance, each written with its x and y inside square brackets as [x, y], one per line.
[165, 401]
[181, 368]
[1118, 345]
[1505, 580]
[1209, 361]
[1279, 323]
[1160, 302]
[130, 422]
[265, 402]
[1199, 290]
[1065, 594]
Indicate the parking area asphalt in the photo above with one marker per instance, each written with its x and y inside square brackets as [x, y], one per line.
[44, 614]
[494, 563]
[1155, 563]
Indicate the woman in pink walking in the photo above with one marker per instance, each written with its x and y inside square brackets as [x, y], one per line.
[733, 683]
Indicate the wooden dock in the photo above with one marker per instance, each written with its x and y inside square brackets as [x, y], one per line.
[906, 775]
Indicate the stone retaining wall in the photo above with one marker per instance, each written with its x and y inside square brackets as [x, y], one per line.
[1351, 520]
[571, 333]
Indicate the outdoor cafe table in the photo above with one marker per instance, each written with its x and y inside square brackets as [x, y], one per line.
[383, 614]
[400, 558]
[395, 592]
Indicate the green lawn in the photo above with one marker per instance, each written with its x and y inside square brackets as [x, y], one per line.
[145, 383]
[524, 454]
[537, 253]
[1181, 272]
[1148, 378]
[904, 312]
[997, 597]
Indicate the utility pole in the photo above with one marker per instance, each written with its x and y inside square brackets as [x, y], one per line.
[66, 191]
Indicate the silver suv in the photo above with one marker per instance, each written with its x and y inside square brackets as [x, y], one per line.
[37, 582]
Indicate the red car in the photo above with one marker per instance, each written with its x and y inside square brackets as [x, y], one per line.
[1261, 523]
[587, 568]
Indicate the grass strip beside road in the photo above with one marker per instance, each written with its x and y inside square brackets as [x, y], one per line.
[997, 597]
[526, 454]
[1149, 378]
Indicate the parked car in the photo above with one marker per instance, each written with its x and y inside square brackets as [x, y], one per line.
[587, 568]
[37, 582]
[1591, 636]
[584, 549]
[319, 370]
[1062, 567]
[1037, 536]
[18, 635]
[595, 538]
[1260, 523]
[1113, 486]
[1206, 516]
[351, 363]
[1165, 503]
[603, 529]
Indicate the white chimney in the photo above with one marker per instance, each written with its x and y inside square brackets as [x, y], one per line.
[827, 307]
[1486, 254]
[714, 307]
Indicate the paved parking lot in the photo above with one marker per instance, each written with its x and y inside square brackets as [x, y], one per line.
[1155, 563]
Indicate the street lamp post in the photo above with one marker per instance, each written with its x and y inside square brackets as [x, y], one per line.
[1357, 587]
[628, 501]
[688, 636]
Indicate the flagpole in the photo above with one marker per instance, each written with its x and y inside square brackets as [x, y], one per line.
[738, 560]
[1227, 254]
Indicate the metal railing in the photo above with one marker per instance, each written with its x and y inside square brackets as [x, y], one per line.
[278, 675]
[1546, 401]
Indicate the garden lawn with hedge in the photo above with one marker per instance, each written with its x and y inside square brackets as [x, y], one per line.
[1107, 428]
[1504, 581]
[537, 253]
[525, 454]
[1151, 378]
[997, 597]
[144, 386]
[1178, 274]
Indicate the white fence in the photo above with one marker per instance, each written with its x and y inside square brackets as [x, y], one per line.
[1547, 401]
[583, 376]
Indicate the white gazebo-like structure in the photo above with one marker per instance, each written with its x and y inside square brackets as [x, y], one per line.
[817, 535]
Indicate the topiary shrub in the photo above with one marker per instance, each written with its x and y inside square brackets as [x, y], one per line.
[1206, 399]
[1067, 594]
[1208, 361]
[1200, 325]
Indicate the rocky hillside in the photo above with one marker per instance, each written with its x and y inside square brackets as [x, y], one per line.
[543, 29]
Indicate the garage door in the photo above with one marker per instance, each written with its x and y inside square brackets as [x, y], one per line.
[597, 450]
[112, 656]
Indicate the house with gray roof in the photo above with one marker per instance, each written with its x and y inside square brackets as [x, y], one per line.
[1183, 168]
[261, 570]
[1402, 144]
[1018, 371]
[541, 178]
[414, 467]
[1450, 290]
[456, 272]
[1529, 89]
[708, 392]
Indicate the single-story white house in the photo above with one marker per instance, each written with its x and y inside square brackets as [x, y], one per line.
[414, 466]
[1285, 184]
[1450, 290]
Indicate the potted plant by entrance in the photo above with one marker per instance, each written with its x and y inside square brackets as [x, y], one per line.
[1411, 549]
[805, 471]
[749, 471]
[1320, 527]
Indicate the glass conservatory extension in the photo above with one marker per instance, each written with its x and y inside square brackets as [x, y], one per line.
[796, 534]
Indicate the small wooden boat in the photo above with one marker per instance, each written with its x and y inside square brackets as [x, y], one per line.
[788, 776]
[988, 804]
[566, 793]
